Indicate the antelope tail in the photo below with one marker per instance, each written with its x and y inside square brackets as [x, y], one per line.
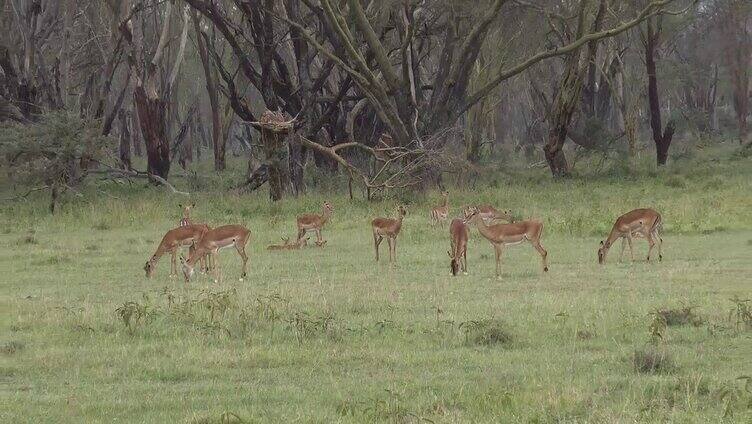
[658, 225]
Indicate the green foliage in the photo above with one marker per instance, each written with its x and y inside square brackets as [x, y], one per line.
[680, 316]
[51, 150]
[486, 332]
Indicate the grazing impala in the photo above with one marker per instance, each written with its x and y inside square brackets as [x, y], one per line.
[186, 219]
[286, 245]
[501, 235]
[187, 235]
[313, 222]
[210, 244]
[389, 228]
[458, 237]
[489, 214]
[439, 213]
[637, 223]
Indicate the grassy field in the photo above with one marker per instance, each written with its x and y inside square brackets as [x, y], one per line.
[327, 335]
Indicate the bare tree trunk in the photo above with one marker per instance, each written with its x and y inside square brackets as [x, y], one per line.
[152, 117]
[662, 140]
[136, 134]
[563, 108]
[218, 140]
[738, 51]
[276, 161]
[125, 140]
[274, 132]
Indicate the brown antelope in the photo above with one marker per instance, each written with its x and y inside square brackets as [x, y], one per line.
[389, 228]
[210, 244]
[501, 235]
[637, 223]
[439, 213]
[490, 214]
[286, 245]
[187, 235]
[459, 234]
[313, 222]
[186, 219]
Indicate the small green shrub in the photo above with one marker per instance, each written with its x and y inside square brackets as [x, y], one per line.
[652, 361]
[12, 347]
[486, 332]
[675, 181]
[680, 316]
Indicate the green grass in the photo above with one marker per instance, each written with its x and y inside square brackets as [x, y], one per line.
[327, 335]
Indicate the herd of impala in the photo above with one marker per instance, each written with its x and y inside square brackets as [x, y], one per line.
[204, 243]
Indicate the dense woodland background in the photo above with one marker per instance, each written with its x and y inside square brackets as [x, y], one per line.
[389, 94]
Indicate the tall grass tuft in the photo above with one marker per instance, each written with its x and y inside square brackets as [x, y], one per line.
[486, 332]
[652, 360]
[680, 316]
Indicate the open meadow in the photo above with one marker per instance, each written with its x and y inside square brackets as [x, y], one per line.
[328, 335]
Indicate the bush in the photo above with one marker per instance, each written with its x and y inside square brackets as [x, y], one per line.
[652, 361]
[680, 316]
[486, 332]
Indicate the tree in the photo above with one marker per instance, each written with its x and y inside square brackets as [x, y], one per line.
[150, 101]
[736, 24]
[661, 137]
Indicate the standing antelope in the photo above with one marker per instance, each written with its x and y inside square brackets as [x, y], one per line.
[491, 214]
[439, 213]
[458, 237]
[501, 235]
[210, 244]
[639, 222]
[389, 228]
[286, 245]
[313, 222]
[187, 235]
[186, 219]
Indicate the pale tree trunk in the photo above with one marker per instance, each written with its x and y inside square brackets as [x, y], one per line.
[218, 141]
[125, 139]
[564, 105]
[738, 49]
[150, 105]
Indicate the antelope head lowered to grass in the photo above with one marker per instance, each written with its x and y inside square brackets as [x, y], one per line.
[636, 223]
[313, 222]
[389, 228]
[210, 244]
[501, 235]
[459, 234]
[187, 235]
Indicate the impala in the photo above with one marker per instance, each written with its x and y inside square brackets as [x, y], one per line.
[186, 219]
[439, 213]
[389, 228]
[637, 223]
[286, 245]
[490, 214]
[187, 235]
[501, 235]
[313, 222]
[210, 244]
[458, 237]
